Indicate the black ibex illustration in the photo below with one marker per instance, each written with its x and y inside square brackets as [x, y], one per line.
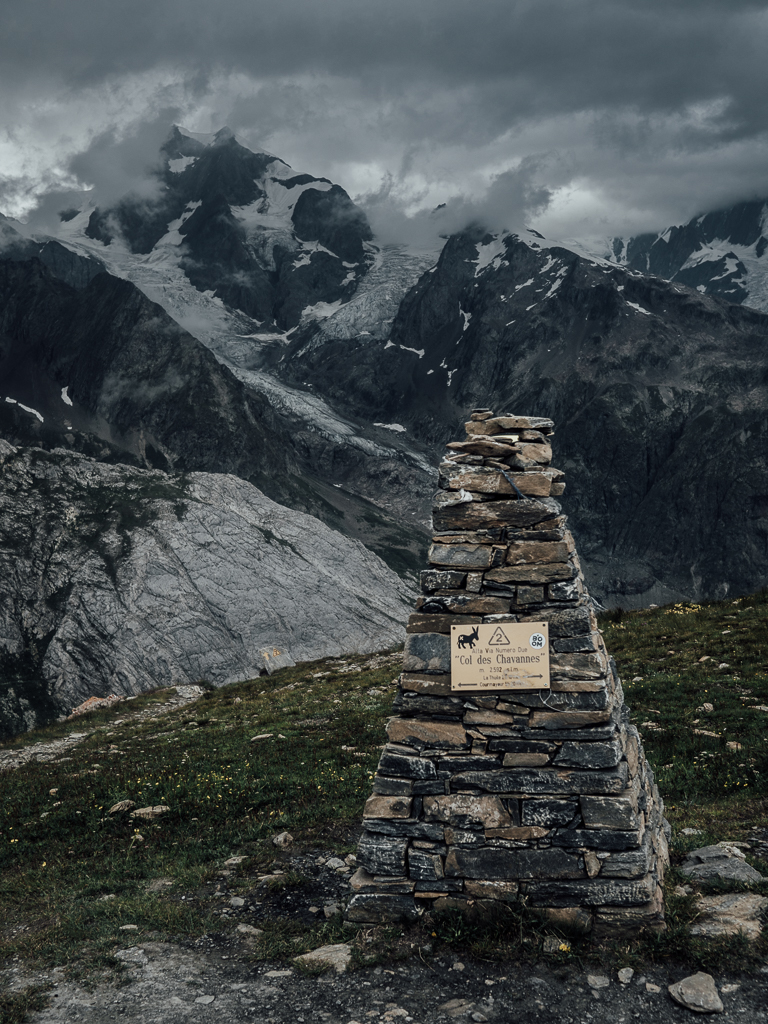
[469, 639]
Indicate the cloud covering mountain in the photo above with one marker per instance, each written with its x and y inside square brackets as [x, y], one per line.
[633, 115]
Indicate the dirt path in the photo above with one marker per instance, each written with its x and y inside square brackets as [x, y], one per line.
[170, 984]
[54, 751]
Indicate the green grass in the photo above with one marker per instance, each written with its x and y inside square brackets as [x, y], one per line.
[61, 852]
[666, 685]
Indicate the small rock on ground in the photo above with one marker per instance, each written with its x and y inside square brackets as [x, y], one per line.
[336, 956]
[698, 992]
[598, 981]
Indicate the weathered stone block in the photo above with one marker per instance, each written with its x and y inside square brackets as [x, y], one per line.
[464, 604]
[428, 787]
[553, 732]
[552, 529]
[419, 622]
[490, 535]
[577, 685]
[531, 574]
[501, 424]
[537, 452]
[525, 760]
[438, 886]
[429, 685]
[382, 908]
[466, 811]
[406, 767]
[427, 705]
[361, 881]
[485, 447]
[391, 883]
[519, 746]
[625, 922]
[568, 590]
[590, 700]
[468, 763]
[427, 652]
[464, 837]
[387, 807]
[578, 666]
[570, 622]
[474, 582]
[509, 707]
[484, 889]
[488, 718]
[577, 644]
[520, 833]
[466, 556]
[615, 812]
[487, 480]
[419, 732]
[549, 813]
[592, 892]
[410, 829]
[511, 864]
[528, 595]
[440, 580]
[434, 579]
[545, 780]
[529, 552]
[471, 515]
[392, 787]
[381, 855]
[424, 866]
[596, 839]
[589, 755]
[494, 731]
[628, 864]
[571, 719]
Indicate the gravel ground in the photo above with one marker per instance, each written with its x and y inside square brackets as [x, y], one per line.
[170, 984]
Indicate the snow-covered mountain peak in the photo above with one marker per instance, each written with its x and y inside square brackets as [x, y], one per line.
[721, 253]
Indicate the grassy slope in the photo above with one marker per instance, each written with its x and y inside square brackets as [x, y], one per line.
[60, 851]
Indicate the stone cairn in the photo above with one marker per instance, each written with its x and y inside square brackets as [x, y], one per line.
[537, 795]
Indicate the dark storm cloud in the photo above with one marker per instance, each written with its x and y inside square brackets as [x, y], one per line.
[552, 53]
[654, 85]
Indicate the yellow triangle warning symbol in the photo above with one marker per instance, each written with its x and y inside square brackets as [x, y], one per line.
[499, 638]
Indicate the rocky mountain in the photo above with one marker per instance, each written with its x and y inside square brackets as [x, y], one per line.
[264, 240]
[118, 580]
[103, 369]
[719, 253]
[651, 384]
[241, 319]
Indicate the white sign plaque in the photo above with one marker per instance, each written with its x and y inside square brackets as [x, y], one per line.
[500, 656]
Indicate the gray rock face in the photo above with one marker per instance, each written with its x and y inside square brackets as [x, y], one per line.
[116, 580]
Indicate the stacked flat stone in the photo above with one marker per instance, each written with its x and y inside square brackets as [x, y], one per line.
[536, 795]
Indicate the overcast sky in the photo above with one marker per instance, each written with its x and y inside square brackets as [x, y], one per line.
[585, 117]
